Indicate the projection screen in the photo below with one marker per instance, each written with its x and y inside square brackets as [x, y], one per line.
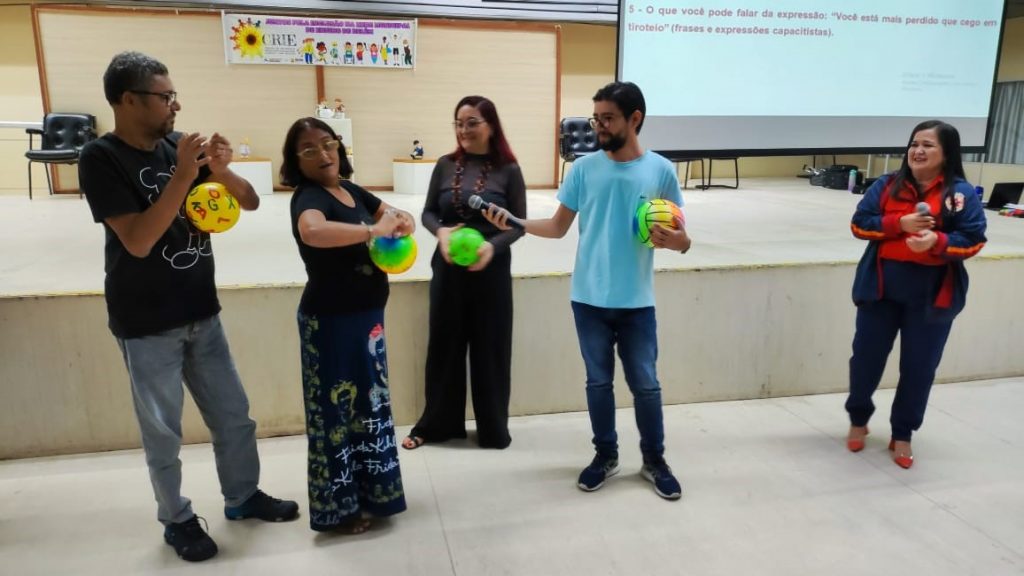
[769, 77]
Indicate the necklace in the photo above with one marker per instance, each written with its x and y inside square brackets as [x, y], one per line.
[478, 188]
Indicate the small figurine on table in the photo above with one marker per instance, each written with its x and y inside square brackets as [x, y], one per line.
[417, 150]
[322, 111]
[339, 108]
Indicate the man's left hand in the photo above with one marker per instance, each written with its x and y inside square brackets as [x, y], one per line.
[220, 153]
[673, 239]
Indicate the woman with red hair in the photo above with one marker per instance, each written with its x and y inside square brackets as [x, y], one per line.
[471, 307]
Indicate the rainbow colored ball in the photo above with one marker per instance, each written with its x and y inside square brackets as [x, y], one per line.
[211, 208]
[657, 211]
[463, 245]
[393, 255]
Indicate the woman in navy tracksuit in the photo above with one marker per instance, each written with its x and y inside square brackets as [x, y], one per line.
[911, 278]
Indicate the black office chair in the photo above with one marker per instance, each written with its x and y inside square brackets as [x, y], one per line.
[61, 140]
[575, 139]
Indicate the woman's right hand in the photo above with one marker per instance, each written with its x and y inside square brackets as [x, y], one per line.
[443, 239]
[387, 224]
[913, 223]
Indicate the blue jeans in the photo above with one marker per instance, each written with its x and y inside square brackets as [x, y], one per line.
[157, 365]
[635, 332]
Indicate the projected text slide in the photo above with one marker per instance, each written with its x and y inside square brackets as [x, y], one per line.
[913, 58]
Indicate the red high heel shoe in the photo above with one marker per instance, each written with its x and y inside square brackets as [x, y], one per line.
[902, 460]
[856, 444]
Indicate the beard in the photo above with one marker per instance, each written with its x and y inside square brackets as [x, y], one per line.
[165, 128]
[613, 143]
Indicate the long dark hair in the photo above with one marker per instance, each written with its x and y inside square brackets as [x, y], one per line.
[498, 150]
[952, 161]
[291, 174]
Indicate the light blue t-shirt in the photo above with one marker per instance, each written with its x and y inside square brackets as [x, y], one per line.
[613, 269]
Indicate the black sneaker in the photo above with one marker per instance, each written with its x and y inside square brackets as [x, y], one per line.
[261, 506]
[665, 483]
[600, 469]
[190, 541]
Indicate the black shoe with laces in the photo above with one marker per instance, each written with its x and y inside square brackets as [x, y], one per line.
[264, 507]
[657, 472]
[190, 541]
[600, 469]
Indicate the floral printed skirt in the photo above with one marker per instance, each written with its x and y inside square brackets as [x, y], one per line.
[353, 458]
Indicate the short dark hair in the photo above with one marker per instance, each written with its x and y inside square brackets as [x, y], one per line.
[291, 174]
[952, 161]
[129, 71]
[627, 97]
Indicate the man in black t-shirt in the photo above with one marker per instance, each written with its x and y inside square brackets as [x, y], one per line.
[161, 297]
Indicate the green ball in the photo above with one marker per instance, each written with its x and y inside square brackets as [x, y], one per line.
[463, 244]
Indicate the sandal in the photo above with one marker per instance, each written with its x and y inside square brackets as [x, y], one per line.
[902, 459]
[357, 526]
[412, 442]
[855, 439]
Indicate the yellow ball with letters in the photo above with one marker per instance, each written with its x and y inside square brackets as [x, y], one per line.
[211, 208]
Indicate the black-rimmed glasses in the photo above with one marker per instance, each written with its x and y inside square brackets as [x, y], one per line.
[603, 120]
[170, 97]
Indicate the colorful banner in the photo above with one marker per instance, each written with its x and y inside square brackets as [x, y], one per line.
[252, 39]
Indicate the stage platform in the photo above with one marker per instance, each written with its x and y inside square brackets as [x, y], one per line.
[759, 307]
[53, 247]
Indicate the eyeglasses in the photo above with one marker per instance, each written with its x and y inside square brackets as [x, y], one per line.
[314, 151]
[170, 97]
[603, 120]
[470, 124]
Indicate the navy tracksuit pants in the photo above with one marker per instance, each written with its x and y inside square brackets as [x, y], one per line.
[905, 308]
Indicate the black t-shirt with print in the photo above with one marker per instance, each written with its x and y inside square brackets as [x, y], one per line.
[341, 280]
[173, 285]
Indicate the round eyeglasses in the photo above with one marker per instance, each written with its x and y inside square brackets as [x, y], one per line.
[314, 151]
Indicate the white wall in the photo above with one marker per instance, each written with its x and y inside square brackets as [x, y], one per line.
[730, 333]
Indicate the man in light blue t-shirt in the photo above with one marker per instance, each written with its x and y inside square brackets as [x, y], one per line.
[613, 281]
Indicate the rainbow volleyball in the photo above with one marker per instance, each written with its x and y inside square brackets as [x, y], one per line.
[657, 211]
[393, 255]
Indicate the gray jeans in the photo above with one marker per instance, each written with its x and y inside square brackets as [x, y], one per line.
[197, 354]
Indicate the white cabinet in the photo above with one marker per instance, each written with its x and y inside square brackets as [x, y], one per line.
[412, 176]
[258, 171]
[343, 128]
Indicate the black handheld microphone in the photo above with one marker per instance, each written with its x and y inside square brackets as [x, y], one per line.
[477, 203]
[923, 209]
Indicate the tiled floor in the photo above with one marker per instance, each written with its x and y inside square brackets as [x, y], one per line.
[768, 489]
